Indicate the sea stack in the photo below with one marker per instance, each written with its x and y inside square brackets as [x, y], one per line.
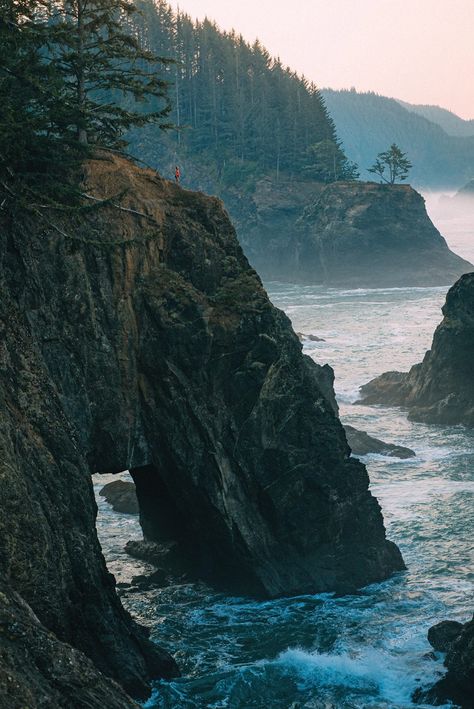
[347, 234]
[135, 335]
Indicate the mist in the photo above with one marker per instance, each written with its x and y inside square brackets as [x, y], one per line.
[453, 215]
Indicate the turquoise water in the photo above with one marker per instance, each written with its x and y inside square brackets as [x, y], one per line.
[368, 650]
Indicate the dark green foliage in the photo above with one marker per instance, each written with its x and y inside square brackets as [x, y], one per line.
[35, 156]
[95, 47]
[327, 163]
[238, 113]
[391, 165]
[64, 66]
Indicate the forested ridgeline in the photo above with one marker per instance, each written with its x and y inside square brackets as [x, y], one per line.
[451, 123]
[367, 122]
[238, 112]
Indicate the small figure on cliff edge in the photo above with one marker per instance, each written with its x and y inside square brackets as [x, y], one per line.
[177, 174]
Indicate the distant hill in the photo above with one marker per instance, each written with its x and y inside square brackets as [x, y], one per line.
[449, 121]
[368, 123]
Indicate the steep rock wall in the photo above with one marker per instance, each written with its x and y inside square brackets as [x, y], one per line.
[357, 234]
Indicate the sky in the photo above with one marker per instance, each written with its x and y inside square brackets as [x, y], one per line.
[421, 51]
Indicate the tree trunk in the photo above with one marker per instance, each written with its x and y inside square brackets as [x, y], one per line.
[81, 87]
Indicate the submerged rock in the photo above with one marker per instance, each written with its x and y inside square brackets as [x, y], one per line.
[122, 496]
[311, 338]
[441, 388]
[347, 234]
[134, 335]
[362, 444]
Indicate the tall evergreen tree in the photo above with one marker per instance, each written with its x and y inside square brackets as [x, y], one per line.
[97, 49]
[35, 156]
[240, 112]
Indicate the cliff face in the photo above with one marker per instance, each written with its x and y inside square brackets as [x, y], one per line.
[441, 388]
[54, 585]
[369, 235]
[350, 234]
[135, 335]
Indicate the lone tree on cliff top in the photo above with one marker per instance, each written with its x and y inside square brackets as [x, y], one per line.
[391, 165]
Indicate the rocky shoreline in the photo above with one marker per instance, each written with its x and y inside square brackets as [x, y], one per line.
[440, 390]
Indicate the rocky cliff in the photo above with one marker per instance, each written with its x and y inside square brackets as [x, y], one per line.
[355, 234]
[350, 234]
[135, 335]
[441, 388]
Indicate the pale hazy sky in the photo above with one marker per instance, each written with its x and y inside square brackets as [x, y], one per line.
[420, 51]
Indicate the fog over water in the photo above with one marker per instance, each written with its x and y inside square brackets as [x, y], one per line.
[368, 650]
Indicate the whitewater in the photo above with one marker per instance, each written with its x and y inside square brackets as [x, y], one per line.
[352, 652]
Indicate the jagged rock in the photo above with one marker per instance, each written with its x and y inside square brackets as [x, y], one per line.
[349, 234]
[442, 635]
[441, 388]
[458, 684]
[166, 556]
[311, 338]
[122, 496]
[361, 444]
[50, 555]
[137, 337]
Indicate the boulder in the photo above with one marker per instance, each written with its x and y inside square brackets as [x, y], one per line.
[442, 635]
[122, 496]
[362, 444]
[458, 684]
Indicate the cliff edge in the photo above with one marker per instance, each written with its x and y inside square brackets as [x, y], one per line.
[135, 335]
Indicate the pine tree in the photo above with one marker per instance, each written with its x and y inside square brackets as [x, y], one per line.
[96, 49]
[35, 157]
